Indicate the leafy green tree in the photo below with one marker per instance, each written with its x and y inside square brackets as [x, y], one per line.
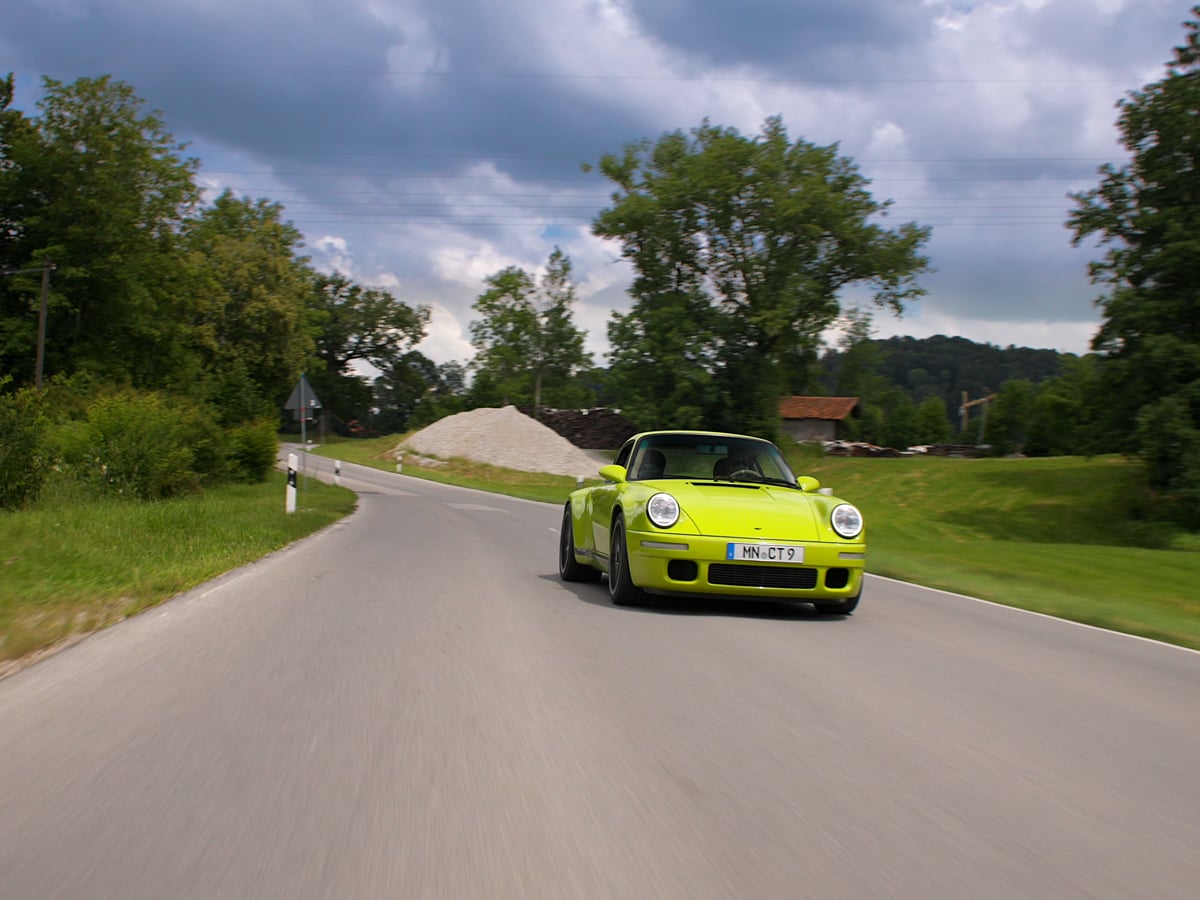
[559, 353]
[857, 373]
[741, 247]
[100, 188]
[871, 427]
[400, 388]
[357, 324]
[1009, 416]
[1147, 214]
[504, 336]
[933, 425]
[250, 290]
[447, 396]
[1066, 409]
[526, 338]
[901, 430]
[353, 324]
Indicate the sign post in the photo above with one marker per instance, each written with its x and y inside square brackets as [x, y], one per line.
[303, 403]
[293, 461]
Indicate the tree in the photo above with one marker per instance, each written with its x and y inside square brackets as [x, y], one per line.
[250, 289]
[933, 425]
[352, 324]
[741, 247]
[100, 188]
[400, 388]
[1147, 214]
[1066, 410]
[1009, 416]
[901, 431]
[527, 341]
[357, 324]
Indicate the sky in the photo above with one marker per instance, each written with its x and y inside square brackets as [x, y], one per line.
[422, 145]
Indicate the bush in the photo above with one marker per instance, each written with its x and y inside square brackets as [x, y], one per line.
[253, 448]
[1170, 448]
[24, 450]
[137, 445]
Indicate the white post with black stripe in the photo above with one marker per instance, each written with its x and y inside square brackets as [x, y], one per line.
[293, 464]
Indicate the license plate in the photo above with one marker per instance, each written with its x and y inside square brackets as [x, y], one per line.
[780, 553]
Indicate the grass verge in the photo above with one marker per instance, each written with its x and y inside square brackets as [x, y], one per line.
[1056, 536]
[73, 564]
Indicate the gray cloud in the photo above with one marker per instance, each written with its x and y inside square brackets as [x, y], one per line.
[422, 144]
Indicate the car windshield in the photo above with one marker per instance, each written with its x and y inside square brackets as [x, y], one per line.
[709, 457]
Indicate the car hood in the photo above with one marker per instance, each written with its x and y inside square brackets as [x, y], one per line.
[721, 509]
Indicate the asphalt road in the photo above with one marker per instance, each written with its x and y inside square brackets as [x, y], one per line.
[411, 705]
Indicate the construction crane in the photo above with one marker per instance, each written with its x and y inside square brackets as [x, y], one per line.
[964, 410]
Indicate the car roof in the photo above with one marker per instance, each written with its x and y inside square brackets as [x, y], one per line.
[716, 434]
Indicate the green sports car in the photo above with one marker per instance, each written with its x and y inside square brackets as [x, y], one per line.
[692, 512]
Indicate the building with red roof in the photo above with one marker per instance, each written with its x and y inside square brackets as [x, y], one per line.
[815, 418]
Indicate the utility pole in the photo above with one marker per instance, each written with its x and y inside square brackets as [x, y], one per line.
[967, 404]
[45, 269]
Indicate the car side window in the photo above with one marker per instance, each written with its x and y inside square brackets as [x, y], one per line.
[623, 455]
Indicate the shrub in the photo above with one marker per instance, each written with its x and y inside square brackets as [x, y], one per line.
[24, 450]
[253, 448]
[135, 445]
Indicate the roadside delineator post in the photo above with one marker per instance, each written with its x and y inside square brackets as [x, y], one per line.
[399, 461]
[337, 471]
[293, 463]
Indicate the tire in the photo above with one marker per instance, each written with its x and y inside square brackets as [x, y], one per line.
[620, 586]
[570, 569]
[838, 609]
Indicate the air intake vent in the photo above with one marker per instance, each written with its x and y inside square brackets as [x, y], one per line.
[738, 575]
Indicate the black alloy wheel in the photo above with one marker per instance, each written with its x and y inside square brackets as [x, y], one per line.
[620, 585]
[570, 569]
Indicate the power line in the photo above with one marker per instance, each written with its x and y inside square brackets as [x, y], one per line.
[480, 75]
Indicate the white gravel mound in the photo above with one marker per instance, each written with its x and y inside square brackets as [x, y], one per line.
[502, 437]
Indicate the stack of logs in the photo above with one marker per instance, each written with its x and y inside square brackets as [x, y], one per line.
[590, 429]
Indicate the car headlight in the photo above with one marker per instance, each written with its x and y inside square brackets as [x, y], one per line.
[663, 510]
[846, 520]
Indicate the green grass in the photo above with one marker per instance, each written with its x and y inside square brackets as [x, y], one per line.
[1051, 535]
[1058, 536]
[73, 564]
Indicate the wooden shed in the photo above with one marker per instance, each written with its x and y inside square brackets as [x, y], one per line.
[815, 418]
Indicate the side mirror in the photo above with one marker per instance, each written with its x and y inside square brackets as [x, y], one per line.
[613, 473]
[808, 484]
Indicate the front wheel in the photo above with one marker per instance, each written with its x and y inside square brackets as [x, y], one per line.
[569, 568]
[620, 585]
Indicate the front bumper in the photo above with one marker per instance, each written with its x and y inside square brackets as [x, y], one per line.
[691, 564]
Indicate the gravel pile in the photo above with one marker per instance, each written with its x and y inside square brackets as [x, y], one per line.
[502, 437]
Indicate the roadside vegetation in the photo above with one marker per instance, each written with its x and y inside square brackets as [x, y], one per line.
[75, 562]
[1065, 536]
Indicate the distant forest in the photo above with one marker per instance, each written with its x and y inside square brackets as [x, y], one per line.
[938, 366]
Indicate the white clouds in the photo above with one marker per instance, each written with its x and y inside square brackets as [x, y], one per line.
[978, 117]
[445, 340]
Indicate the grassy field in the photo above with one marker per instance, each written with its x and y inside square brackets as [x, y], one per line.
[1051, 535]
[72, 564]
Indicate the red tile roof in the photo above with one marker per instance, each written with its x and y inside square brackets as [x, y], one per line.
[816, 407]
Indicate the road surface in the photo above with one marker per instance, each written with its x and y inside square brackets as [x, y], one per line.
[411, 705]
